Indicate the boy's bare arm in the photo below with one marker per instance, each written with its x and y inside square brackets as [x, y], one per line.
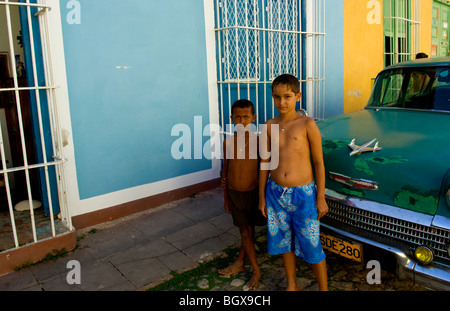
[224, 179]
[315, 142]
[264, 173]
[263, 177]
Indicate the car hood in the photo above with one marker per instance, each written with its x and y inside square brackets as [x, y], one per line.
[411, 165]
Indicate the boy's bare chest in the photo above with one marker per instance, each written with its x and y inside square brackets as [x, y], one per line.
[292, 137]
[242, 148]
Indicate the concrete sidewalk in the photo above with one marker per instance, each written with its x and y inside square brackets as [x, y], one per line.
[139, 251]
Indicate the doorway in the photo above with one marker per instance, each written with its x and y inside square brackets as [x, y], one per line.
[401, 30]
[440, 30]
[15, 116]
[31, 171]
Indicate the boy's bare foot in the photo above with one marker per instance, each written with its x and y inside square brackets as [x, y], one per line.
[234, 268]
[292, 287]
[253, 283]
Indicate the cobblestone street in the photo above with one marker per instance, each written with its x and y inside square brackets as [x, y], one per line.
[343, 275]
[180, 247]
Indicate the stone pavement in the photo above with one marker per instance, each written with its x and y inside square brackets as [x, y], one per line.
[139, 251]
[143, 251]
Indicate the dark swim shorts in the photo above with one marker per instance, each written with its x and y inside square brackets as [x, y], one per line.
[243, 206]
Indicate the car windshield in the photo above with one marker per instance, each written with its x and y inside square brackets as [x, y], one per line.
[413, 88]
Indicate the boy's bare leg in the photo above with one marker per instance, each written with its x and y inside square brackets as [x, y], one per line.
[237, 266]
[247, 249]
[248, 242]
[320, 271]
[291, 271]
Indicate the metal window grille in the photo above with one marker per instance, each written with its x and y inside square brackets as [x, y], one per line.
[241, 40]
[283, 43]
[40, 89]
[401, 30]
[258, 40]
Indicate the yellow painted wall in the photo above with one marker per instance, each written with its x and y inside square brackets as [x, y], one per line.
[364, 47]
[363, 50]
[426, 11]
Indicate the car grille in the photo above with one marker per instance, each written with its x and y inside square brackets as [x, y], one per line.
[408, 233]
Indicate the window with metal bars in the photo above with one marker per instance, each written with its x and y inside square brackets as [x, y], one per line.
[283, 41]
[240, 21]
[30, 138]
[258, 40]
[401, 30]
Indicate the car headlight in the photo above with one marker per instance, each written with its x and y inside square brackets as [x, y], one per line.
[424, 254]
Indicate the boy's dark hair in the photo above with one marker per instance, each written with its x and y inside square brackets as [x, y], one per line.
[243, 103]
[421, 55]
[289, 80]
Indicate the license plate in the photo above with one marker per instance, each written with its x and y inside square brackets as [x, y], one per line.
[343, 248]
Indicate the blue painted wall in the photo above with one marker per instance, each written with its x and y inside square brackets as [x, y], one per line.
[334, 58]
[135, 69]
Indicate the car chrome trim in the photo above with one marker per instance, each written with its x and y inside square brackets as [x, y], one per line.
[384, 209]
[441, 222]
[303, 112]
[362, 184]
[407, 227]
[435, 276]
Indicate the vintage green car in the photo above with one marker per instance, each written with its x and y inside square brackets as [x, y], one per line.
[388, 174]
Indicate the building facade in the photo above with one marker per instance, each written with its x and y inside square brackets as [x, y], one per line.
[113, 107]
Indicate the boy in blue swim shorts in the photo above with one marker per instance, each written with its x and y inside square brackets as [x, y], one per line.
[292, 189]
[292, 221]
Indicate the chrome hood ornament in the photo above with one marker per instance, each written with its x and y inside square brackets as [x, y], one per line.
[364, 148]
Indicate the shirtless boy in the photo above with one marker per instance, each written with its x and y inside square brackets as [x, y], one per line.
[240, 183]
[290, 196]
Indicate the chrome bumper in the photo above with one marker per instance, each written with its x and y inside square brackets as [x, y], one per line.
[434, 276]
[394, 230]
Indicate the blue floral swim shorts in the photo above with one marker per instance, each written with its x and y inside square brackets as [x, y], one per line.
[292, 222]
